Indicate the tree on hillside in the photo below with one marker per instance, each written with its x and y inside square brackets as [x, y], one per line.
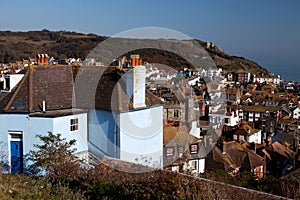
[56, 156]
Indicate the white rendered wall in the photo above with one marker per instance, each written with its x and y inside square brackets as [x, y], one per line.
[141, 136]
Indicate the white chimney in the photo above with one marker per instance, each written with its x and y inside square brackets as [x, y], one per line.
[136, 82]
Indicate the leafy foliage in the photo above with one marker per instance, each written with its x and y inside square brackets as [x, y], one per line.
[56, 156]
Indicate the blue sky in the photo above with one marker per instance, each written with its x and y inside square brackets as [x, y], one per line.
[265, 31]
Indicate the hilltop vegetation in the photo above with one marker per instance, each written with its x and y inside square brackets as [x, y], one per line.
[59, 44]
[16, 46]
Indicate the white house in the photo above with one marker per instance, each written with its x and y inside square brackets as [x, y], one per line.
[119, 118]
[197, 158]
[231, 118]
[296, 113]
[245, 132]
[42, 102]
[125, 120]
[255, 137]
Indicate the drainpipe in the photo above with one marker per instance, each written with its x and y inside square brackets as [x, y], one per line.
[44, 106]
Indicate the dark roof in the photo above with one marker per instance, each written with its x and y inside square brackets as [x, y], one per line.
[280, 149]
[260, 108]
[51, 84]
[94, 87]
[286, 137]
[241, 156]
[107, 92]
[55, 86]
[217, 160]
[58, 113]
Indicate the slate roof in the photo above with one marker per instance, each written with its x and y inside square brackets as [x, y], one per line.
[51, 84]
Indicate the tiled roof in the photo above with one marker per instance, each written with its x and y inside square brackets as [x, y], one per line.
[287, 120]
[51, 84]
[204, 123]
[220, 157]
[58, 113]
[281, 149]
[247, 128]
[240, 131]
[260, 108]
[242, 156]
[55, 86]
[172, 135]
[105, 93]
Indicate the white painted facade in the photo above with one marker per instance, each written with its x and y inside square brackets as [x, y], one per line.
[232, 120]
[197, 166]
[28, 127]
[195, 129]
[296, 113]
[211, 73]
[141, 136]
[135, 136]
[256, 137]
[103, 138]
[10, 81]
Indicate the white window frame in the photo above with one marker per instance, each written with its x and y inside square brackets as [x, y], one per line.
[169, 151]
[74, 124]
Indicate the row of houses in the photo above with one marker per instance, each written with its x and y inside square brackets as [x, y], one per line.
[259, 120]
[264, 117]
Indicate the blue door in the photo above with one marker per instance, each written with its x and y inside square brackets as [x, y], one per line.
[16, 152]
